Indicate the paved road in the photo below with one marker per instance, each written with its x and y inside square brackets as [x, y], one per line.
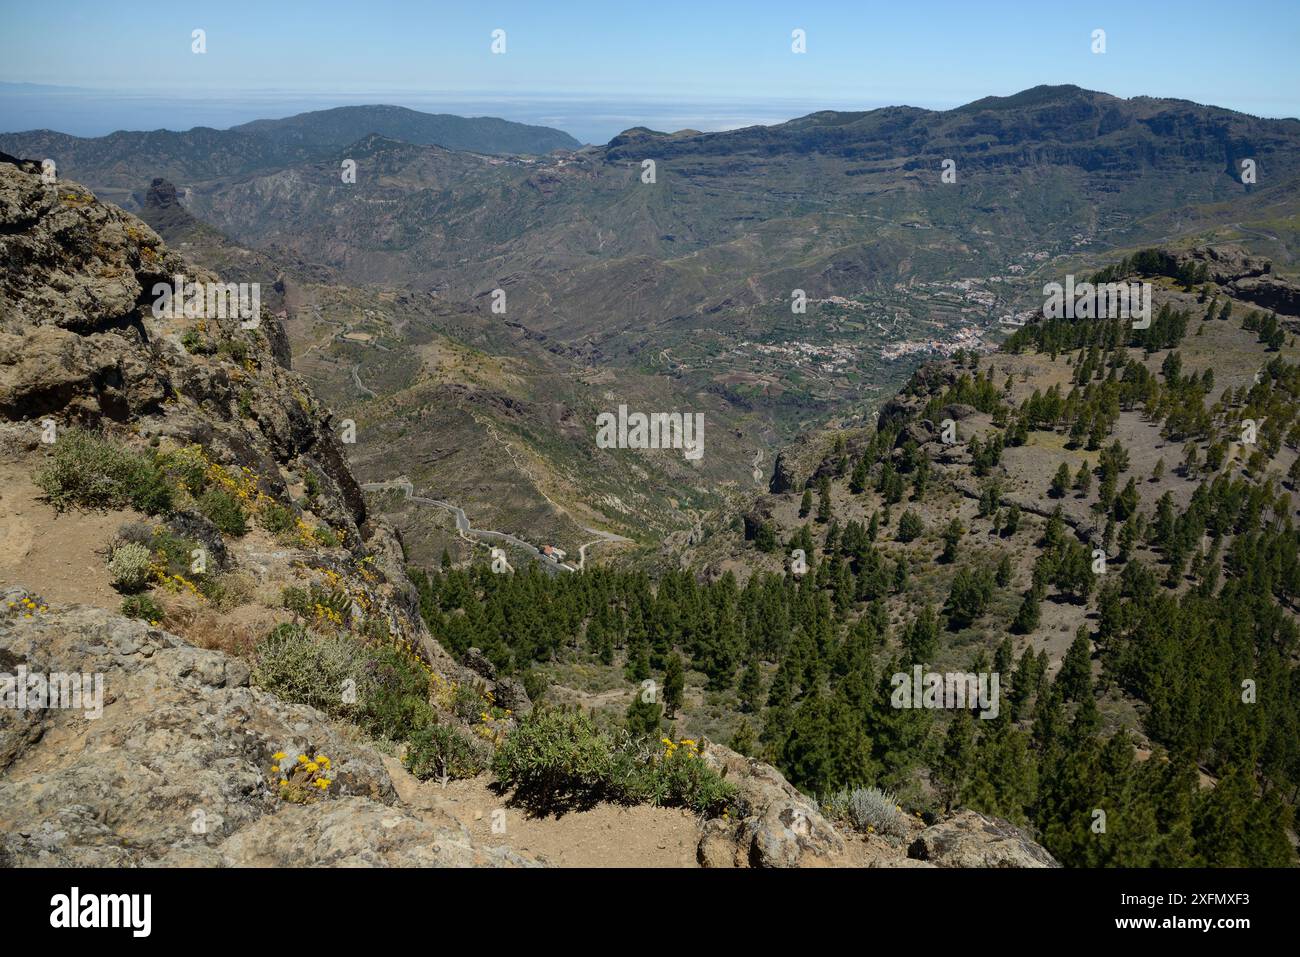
[467, 531]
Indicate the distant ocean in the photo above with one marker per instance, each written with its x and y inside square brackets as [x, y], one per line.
[97, 112]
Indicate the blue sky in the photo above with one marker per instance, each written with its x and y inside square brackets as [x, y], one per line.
[606, 65]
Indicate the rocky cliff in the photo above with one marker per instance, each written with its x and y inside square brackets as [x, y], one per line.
[180, 766]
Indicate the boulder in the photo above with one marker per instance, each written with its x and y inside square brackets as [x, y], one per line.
[971, 839]
[776, 825]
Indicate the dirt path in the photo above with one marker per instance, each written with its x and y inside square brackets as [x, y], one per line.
[59, 556]
[607, 835]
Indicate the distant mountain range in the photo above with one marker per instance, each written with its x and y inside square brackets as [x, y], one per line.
[346, 124]
[129, 160]
[677, 291]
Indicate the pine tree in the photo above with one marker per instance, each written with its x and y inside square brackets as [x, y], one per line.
[900, 575]
[823, 500]
[1060, 481]
[910, 527]
[1083, 479]
[1003, 574]
[674, 685]
[743, 741]
[858, 481]
[1011, 524]
[1027, 617]
[921, 638]
[643, 716]
[805, 504]
[951, 538]
[751, 686]
[957, 760]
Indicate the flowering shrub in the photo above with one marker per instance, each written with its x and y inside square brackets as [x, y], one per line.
[675, 777]
[306, 780]
[26, 607]
[557, 757]
[224, 510]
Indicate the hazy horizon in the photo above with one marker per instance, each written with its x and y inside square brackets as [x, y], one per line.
[88, 112]
[593, 70]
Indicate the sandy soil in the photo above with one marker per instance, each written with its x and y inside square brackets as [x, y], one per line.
[59, 556]
[607, 835]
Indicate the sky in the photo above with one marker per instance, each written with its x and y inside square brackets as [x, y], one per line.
[595, 67]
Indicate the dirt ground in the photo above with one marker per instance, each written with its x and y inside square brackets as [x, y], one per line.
[607, 835]
[58, 556]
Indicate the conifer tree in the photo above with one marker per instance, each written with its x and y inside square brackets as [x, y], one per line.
[674, 685]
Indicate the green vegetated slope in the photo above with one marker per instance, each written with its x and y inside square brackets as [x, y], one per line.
[675, 294]
[177, 499]
[1112, 532]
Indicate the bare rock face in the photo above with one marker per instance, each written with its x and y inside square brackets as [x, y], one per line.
[758, 514]
[970, 839]
[777, 825]
[1225, 264]
[1269, 292]
[349, 832]
[176, 769]
[784, 479]
[80, 344]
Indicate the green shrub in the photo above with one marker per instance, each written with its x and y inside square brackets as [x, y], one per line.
[174, 551]
[91, 472]
[326, 536]
[187, 467]
[535, 685]
[296, 600]
[553, 757]
[196, 343]
[389, 692]
[277, 519]
[556, 758]
[394, 693]
[225, 511]
[234, 349]
[467, 702]
[128, 568]
[435, 750]
[309, 669]
[176, 555]
[142, 607]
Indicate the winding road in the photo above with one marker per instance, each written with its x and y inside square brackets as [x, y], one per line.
[465, 530]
